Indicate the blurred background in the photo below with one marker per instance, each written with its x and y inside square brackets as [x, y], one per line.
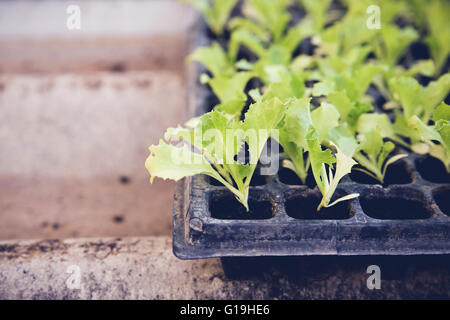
[78, 110]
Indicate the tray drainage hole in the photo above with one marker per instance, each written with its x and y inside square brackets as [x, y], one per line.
[396, 173]
[388, 208]
[432, 169]
[442, 196]
[304, 207]
[289, 177]
[228, 208]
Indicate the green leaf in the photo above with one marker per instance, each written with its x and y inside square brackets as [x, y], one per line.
[230, 88]
[319, 158]
[346, 34]
[359, 110]
[297, 122]
[273, 15]
[169, 162]
[344, 166]
[292, 135]
[386, 150]
[443, 128]
[362, 77]
[260, 119]
[373, 128]
[295, 35]
[375, 122]
[342, 137]
[423, 67]
[214, 58]
[246, 38]
[442, 112]
[232, 107]
[393, 43]
[342, 103]
[327, 182]
[251, 26]
[296, 160]
[216, 12]
[318, 9]
[290, 86]
[408, 92]
[344, 198]
[437, 17]
[372, 144]
[423, 131]
[417, 100]
[325, 118]
[434, 93]
[323, 88]
[216, 128]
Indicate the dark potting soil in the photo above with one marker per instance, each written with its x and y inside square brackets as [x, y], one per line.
[227, 208]
[396, 173]
[304, 207]
[432, 169]
[393, 208]
[289, 177]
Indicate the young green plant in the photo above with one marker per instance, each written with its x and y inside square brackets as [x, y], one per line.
[216, 12]
[211, 146]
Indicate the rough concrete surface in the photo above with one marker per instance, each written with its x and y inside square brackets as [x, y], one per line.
[113, 35]
[145, 268]
[78, 110]
[72, 153]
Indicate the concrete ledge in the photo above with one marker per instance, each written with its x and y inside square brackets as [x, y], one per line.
[67, 143]
[145, 268]
[114, 35]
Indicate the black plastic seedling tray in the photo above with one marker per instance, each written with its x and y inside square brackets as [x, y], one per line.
[410, 215]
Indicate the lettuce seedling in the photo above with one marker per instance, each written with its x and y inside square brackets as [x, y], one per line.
[318, 9]
[391, 42]
[226, 82]
[292, 137]
[212, 146]
[296, 120]
[216, 12]
[346, 34]
[441, 117]
[349, 74]
[438, 16]
[215, 59]
[304, 132]
[272, 15]
[373, 153]
[273, 57]
[273, 47]
[228, 88]
[327, 182]
[417, 100]
[418, 105]
[435, 138]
